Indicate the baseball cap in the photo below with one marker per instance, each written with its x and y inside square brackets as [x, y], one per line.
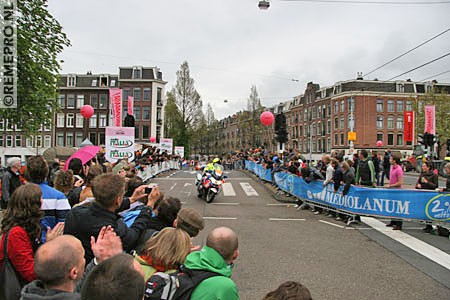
[190, 221]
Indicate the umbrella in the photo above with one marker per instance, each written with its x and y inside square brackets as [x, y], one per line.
[85, 154]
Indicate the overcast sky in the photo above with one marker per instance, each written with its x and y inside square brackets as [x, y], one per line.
[231, 45]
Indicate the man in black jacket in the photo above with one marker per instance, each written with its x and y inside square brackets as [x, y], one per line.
[10, 180]
[85, 222]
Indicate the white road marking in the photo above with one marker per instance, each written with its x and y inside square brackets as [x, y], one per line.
[332, 224]
[189, 194]
[433, 253]
[183, 202]
[219, 203]
[187, 184]
[219, 218]
[277, 219]
[228, 189]
[278, 204]
[173, 186]
[248, 189]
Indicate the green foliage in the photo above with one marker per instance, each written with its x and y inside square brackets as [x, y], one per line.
[39, 40]
[251, 127]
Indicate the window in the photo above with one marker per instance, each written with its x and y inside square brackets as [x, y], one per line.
[103, 121]
[101, 137]
[136, 132]
[329, 126]
[137, 94]
[79, 121]
[137, 113]
[18, 141]
[93, 138]
[104, 81]
[78, 139]
[390, 139]
[47, 128]
[38, 141]
[2, 125]
[29, 142]
[379, 136]
[147, 94]
[9, 126]
[399, 139]
[93, 122]
[390, 122]
[400, 122]
[70, 101]
[336, 139]
[70, 120]
[60, 120]
[9, 141]
[351, 104]
[80, 101]
[47, 141]
[103, 101]
[336, 123]
[146, 113]
[60, 139]
[379, 105]
[94, 82]
[1, 141]
[390, 106]
[145, 132]
[342, 139]
[379, 122]
[94, 100]
[329, 110]
[137, 73]
[112, 82]
[159, 96]
[399, 105]
[125, 94]
[408, 105]
[69, 139]
[328, 145]
[342, 105]
[71, 80]
[342, 123]
[336, 107]
[62, 100]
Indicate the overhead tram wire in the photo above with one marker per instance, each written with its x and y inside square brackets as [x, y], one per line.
[409, 51]
[421, 66]
[373, 2]
[436, 75]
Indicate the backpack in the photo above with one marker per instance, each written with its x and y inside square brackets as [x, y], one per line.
[175, 286]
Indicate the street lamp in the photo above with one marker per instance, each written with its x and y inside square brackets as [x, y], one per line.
[263, 4]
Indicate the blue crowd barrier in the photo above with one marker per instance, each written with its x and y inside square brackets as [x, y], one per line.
[418, 205]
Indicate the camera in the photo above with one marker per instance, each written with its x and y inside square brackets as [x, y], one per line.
[148, 190]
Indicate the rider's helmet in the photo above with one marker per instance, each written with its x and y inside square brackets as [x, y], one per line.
[216, 160]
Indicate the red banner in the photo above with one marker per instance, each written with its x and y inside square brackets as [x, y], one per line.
[115, 98]
[130, 105]
[408, 117]
[430, 120]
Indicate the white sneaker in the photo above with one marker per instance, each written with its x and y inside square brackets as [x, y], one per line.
[317, 212]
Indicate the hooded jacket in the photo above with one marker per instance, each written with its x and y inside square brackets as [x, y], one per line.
[214, 288]
[35, 290]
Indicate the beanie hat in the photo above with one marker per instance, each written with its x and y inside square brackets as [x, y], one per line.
[190, 221]
[12, 161]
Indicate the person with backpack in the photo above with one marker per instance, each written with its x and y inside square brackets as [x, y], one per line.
[204, 275]
[365, 172]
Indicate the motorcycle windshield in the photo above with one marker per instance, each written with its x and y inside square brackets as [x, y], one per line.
[218, 171]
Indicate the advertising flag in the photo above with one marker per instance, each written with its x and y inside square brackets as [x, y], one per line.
[119, 143]
[408, 117]
[130, 105]
[430, 119]
[115, 98]
[166, 145]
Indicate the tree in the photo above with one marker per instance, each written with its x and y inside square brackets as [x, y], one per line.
[172, 119]
[39, 41]
[250, 119]
[189, 104]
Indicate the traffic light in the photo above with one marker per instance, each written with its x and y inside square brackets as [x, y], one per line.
[420, 139]
[429, 139]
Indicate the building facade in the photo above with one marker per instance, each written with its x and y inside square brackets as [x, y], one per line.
[319, 120]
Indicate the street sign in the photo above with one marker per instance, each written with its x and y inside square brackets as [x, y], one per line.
[351, 136]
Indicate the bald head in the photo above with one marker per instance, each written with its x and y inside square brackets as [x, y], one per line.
[225, 241]
[59, 260]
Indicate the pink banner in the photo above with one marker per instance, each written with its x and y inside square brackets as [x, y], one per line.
[130, 105]
[115, 97]
[430, 120]
[408, 116]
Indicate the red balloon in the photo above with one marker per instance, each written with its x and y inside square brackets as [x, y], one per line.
[87, 111]
[380, 143]
[152, 139]
[267, 118]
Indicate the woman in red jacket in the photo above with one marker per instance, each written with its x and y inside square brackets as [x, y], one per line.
[22, 221]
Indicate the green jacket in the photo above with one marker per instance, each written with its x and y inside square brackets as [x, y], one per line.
[148, 269]
[214, 288]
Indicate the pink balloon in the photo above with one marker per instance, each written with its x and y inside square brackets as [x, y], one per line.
[87, 111]
[380, 143]
[267, 118]
[152, 139]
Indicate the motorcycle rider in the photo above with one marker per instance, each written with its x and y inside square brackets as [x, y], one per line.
[212, 165]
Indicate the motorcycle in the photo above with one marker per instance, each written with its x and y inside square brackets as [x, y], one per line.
[208, 185]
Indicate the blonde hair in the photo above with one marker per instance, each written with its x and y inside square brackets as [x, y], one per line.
[169, 247]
